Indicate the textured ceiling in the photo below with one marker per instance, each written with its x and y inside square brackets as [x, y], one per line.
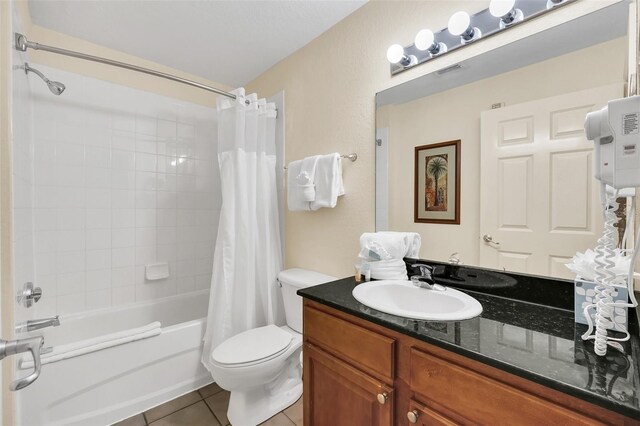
[230, 42]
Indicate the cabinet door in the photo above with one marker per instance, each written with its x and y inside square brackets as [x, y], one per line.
[336, 393]
[423, 416]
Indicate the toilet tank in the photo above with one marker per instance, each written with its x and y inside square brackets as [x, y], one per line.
[291, 281]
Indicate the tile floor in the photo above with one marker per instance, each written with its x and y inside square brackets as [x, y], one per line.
[205, 407]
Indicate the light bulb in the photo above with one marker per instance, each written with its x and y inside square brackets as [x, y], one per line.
[424, 39]
[395, 53]
[500, 8]
[459, 23]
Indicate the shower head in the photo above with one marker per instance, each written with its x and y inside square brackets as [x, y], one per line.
[55, 86]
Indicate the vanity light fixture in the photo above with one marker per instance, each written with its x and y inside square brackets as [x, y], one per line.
[464, 28]
[425, 40]
[506, 11]
[396, 55]
[460, 25]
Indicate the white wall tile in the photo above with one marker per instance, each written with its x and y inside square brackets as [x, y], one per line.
[70, 283]
[98, 260]
[123, 218]
[122, 257]
[98, 279]
[123, 295]
[107, 183]
[98, 218]
[98, 239]
[122, 276]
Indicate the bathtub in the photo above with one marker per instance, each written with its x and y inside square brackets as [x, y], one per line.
[109, 385]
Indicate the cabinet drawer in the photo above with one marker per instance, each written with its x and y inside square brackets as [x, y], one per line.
[367, 350]
[424, 416]
[483, 400]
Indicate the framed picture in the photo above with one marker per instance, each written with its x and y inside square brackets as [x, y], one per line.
[437, 183]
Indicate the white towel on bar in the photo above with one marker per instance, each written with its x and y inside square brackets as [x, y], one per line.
[328, 179]
[72, 350]
[295, 198]
[306, 178]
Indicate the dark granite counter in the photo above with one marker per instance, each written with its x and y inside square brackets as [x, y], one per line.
[537, 342]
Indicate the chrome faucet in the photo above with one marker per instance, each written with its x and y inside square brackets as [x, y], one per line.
[425, 279]
[43, 323]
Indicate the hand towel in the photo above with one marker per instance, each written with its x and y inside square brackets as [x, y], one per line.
[390, 245]
[328, 179]
[306, 178]
[295, 199]
[394, 269]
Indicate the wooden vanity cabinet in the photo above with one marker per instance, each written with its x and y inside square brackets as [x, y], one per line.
[359, 373]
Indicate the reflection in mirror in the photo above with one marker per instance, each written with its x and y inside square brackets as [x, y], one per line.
[528, 199]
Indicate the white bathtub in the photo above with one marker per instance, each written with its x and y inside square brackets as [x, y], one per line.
[106, 386]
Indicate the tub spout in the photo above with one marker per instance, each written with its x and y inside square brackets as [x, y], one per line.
[43, 323]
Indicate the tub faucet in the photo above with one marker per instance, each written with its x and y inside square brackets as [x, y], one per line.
[43, 323]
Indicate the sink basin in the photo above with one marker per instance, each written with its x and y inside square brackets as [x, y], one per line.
[403, 299]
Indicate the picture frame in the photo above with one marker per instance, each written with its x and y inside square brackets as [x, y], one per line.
[437, 183]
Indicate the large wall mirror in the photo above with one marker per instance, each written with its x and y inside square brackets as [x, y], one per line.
[527, 197]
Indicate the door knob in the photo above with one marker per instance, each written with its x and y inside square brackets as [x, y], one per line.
[382, 397]
[413, 416]
[489, 239]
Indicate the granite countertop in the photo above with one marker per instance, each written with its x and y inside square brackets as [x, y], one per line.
[534, 341]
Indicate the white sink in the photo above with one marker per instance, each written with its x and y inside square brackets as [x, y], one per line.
[403, 299]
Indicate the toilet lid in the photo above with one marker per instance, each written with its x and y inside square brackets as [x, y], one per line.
[252, 345]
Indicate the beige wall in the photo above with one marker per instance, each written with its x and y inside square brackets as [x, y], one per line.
[330, 86]
[455, 114]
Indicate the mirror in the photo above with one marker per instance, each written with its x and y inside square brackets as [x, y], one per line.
[527, 197]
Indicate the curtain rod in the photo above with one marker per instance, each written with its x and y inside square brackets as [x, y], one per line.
[22, 44]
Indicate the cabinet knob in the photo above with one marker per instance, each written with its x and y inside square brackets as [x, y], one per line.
[413, 416]
[382, 397]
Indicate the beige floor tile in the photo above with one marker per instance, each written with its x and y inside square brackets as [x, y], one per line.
[137, 420]
[194, 415]
[209, 390]
[171, 406]
[219, 404]
[295, 412]
[278, 420]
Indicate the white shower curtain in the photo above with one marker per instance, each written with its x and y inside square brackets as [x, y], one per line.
[247, 258]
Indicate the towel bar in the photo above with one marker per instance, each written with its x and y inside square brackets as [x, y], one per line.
[353, 157]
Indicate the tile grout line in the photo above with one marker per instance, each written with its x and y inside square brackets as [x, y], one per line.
[173, 412]
[211, 411]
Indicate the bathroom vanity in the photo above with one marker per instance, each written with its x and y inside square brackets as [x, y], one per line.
[517, 363]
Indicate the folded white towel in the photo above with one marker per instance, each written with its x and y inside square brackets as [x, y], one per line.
[295, 199]
[394, 269]
[86, 346]
[306, 178]
[328, 180]
[390, 245]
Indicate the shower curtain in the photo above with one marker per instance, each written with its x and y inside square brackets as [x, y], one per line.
[247, 258]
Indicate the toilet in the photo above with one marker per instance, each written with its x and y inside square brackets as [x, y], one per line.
[262, 367]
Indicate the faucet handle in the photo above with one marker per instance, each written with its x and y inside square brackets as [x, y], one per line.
[425, 270]
[454, 259]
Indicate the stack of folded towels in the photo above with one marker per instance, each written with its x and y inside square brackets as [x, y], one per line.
[385, 250]
[314, 182]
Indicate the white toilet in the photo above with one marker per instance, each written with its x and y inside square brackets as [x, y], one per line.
[261, 367]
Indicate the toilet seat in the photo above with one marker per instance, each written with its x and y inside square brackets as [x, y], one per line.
[252, 347]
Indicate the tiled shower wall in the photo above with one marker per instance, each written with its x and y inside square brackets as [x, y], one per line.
[122, 178]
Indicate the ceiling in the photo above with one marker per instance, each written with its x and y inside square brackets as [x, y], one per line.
[229, 42]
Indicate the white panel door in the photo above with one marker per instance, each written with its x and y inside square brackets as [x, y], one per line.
[539, 201]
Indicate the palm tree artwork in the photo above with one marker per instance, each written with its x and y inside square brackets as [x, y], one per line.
[435, 194]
